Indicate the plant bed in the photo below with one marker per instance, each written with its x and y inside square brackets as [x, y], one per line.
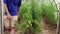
[48, 23]
[49, 13]
[31, 15]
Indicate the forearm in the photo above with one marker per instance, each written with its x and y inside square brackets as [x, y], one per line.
[5, 7]
[18, 14]
[18, 11]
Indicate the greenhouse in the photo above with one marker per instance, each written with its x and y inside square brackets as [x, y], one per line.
[38, 17]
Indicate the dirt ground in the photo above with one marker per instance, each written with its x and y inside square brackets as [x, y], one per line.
[46, 29]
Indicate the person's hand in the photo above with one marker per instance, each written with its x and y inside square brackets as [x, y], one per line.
[8, 16]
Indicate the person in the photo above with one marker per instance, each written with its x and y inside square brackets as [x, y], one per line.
[12, 10]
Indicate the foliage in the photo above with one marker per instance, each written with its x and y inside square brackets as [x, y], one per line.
[32, 12]
[30, 16]
[50, 10]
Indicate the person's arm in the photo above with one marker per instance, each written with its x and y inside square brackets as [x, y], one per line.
[5, 7]
[7, 12]
[19, 14]
[18, 10]
[19, 5]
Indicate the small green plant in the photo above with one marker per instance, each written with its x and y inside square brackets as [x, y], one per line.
[31, 14]
[50, 10]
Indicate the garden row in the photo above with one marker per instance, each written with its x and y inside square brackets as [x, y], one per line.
[32, 11]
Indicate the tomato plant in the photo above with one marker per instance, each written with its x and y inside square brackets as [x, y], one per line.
[49, 10]
[31, 14]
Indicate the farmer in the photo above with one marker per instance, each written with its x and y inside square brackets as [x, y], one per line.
[11, 14]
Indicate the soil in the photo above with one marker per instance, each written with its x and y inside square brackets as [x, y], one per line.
[46, 29]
